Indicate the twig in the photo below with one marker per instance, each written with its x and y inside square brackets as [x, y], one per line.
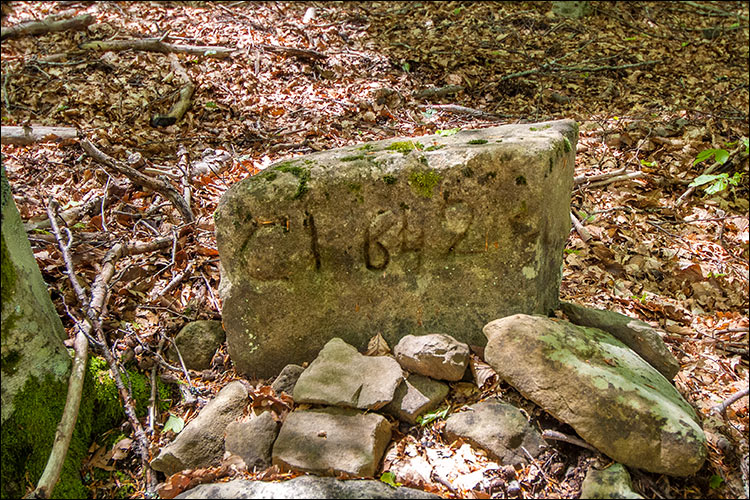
[67, 424]
[710, 169]
[582, 231]
[722, 408]
[715, 10]
[559, 436]
[30, 135]
[624, 177]
[161, 187]
[156, 45]
[180, 107]
[582, 179]
[154, 392]
[47, 25]
[302, 53]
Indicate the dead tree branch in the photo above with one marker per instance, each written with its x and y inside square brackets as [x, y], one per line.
[30, 135]
[559, 436]
[162, 187]
[183, 103]
[463, 110]
[47, 25]
[157, 45]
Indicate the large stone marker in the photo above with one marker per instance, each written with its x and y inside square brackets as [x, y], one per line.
[404, 236]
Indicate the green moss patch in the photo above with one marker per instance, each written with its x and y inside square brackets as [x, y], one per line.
[434, 147]
[423, 182]
[478, 141]
[405, 147]
[353, 157]
[300, 173]
[390, 179]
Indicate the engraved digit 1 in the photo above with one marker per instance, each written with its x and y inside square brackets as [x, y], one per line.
[314, 248]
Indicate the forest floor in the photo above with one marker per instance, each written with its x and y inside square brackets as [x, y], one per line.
[653, 86]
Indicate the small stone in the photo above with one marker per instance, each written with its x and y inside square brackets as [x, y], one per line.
[434, 355]
[287, 379]
[252, 440]
[612, 482]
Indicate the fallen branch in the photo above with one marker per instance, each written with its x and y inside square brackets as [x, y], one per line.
[49, 24]
[157, 45]
[559, 436]
[624, 177]
[582, 179]
[582, 232]
[552, 67]
[715, 10]
[462, 110]
[67, 424]
[721, 408]
[183, 103]
[162, 187]
[30, 135]
[709, 170]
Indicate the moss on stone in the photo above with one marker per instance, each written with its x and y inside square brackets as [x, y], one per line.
[568, 146]
[434, 147]
[300, 173]
[366, 147]
[390, 179]
[28, 434]
[353, 157]
[8, 272]
[478, 141]
[423, 182]
[405, 147]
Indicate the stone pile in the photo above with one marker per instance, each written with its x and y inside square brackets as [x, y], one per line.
[616, 399]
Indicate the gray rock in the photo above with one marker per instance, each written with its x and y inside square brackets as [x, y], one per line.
[634, 333]
[201, 442]
[341, 376]
[499, 428]
[612, 482]
[331, 441]
[287, 379]
[197, 342]
[612, 398]
[416, 395]
[252, 440]
[434, 355]
[407, 235]
[304, 487]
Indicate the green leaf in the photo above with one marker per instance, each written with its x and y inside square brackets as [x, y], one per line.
[715, 482]
[736, 178]
[721, 155]
[174, 423]
[704, 179]
[450, 131]
[406, 67]
[211, 105]
[389, 479]
[718, 186]
[648, 163]
[429, 417]
[41, 231]
[631, 38]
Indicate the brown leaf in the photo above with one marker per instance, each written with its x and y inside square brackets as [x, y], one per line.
[121, 448]
[377, 346]
[484, 374]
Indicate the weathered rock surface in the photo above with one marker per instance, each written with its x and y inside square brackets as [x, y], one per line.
[403, 236]
[201, 442]
[434, 355]
[634, 333]
[304, 487]
[416, 395]
[252, 440]
[332, 440]
[197, 342]
[499, 428]
[612, 482]
[341, 376]
[287, 379]
[607, 393]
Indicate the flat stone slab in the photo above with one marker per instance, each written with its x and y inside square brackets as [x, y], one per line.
[433, 355]
[403, 236]
[499, 428]
[612, 482]
[252, 440]
[331, 441]
[588, 379]
[416, 395]
[304, 487]
[201, 442]
[341, 376]
[636, 334]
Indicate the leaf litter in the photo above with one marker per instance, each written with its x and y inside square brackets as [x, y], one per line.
[680, 267]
